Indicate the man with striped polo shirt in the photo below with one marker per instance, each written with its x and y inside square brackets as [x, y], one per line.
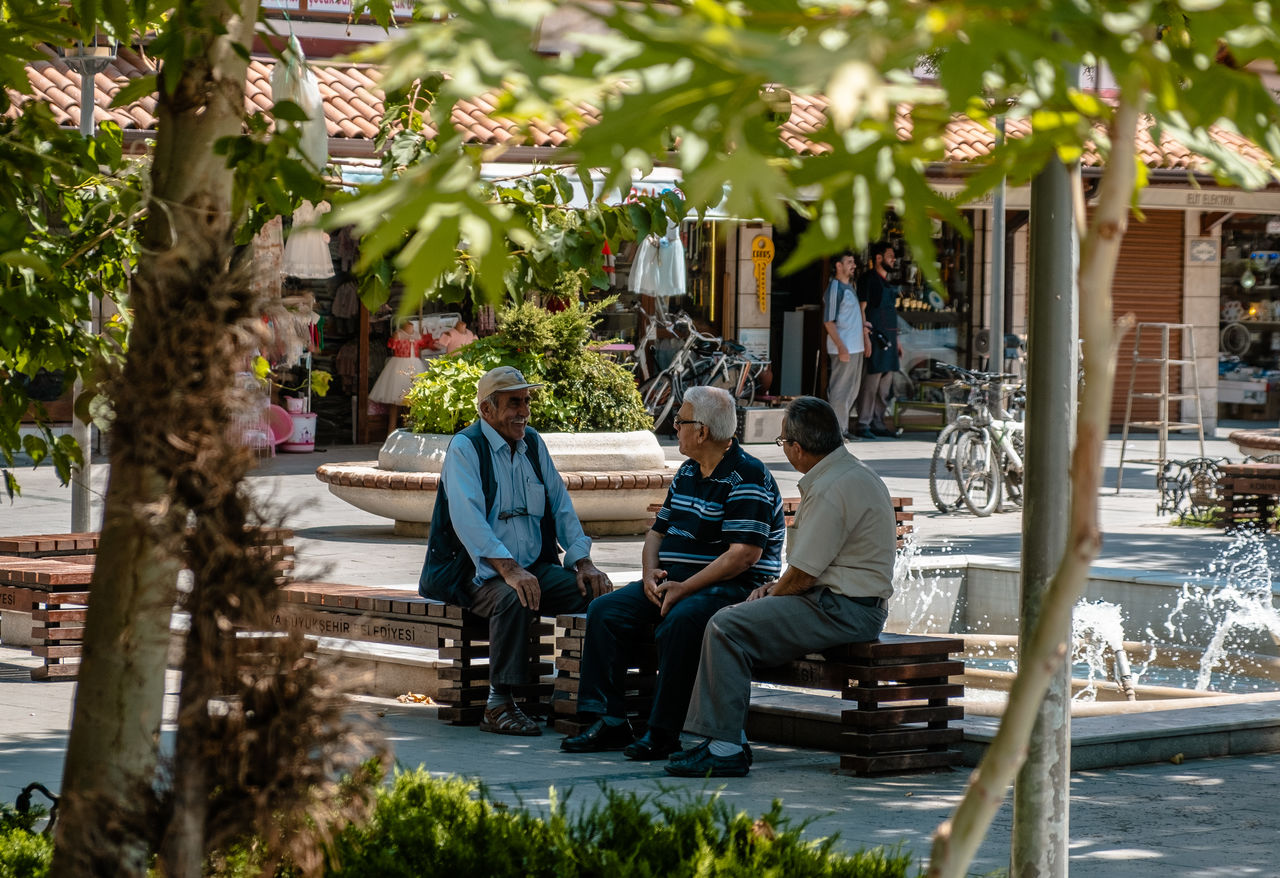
[717, 537]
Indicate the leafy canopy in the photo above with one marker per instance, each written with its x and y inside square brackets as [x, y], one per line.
[697, 85]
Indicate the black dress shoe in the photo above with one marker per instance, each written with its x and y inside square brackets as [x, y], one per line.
[599, 738]
[652, 745]
[696, 749]
[864, 433]
[701, 762]
[849, 436]
[884, 431]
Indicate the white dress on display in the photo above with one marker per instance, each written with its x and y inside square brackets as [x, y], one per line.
[402, 367]
[658, 269]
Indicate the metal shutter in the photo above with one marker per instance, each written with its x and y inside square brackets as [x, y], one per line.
[1148, 284]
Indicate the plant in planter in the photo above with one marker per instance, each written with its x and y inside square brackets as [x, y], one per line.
[293, 382]
[583, 390]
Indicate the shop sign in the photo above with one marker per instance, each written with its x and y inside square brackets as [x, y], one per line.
[1202, 251]
[761, 257]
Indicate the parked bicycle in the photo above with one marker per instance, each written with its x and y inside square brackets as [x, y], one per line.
[978, 455]
[701, 359]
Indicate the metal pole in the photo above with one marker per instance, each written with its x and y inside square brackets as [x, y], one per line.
[81, 476]
[1041, 792]
[995, 359]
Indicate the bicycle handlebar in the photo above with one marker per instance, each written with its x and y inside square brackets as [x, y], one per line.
[977, 377]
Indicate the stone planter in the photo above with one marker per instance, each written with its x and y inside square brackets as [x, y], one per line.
[612, 479]
[1256, 443]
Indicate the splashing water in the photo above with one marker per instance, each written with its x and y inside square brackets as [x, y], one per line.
[1236, 609]
[1096, 628]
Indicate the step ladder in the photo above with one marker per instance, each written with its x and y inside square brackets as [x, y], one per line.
[1164, 363]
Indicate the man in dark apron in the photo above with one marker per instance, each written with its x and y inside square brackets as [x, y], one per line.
[880, 299]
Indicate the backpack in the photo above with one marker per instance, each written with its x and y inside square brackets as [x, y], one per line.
[448, 569]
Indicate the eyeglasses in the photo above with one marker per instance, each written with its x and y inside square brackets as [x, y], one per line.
[677, 422]
[512, 513]
[781, 441]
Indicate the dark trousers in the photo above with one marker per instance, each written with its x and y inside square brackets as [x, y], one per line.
[509, 622]
[619, 621]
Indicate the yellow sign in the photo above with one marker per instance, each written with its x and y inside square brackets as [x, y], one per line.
[761, 257]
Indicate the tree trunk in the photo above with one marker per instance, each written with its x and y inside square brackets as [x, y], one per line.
[160, 440]
[957, 839]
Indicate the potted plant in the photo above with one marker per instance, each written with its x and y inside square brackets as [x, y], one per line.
[588, 411]
[295, 383]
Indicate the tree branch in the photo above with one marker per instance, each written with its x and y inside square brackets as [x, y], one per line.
[957, 839]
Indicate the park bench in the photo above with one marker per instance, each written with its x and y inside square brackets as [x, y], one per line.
[1249, 494]
[397, 617]
[48, 577]
[898, 689]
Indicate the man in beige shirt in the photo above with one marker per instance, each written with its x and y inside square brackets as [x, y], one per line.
[835, 590]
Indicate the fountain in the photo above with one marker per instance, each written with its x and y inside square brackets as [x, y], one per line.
[1203, 679]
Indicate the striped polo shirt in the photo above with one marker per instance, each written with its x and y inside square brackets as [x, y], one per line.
[738, 503]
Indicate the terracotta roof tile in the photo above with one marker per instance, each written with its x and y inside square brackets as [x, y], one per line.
[354, 106]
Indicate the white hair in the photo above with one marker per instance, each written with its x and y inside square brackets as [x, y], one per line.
[715, 409]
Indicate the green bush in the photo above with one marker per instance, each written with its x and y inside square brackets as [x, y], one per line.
[23, 854]
[583, 390]
[426, 826]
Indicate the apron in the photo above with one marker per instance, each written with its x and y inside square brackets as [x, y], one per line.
[883, 315]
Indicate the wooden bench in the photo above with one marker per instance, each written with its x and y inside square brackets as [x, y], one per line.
[398, 617]
[898, 688]
[48, 576]
[1249, 495]
[901, 512]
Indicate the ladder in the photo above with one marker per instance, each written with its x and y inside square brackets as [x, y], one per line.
[1164, 362]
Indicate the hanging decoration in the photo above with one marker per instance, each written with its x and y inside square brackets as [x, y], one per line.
[306, 251]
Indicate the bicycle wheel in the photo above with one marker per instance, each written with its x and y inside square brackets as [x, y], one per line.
[943, 487]
[659, 398]
[977, 473]
[1012, 477]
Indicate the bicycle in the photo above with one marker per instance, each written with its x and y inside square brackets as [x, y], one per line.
[665, 391]
[981, 449]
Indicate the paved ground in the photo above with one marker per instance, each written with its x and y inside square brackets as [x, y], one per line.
[1209, 817]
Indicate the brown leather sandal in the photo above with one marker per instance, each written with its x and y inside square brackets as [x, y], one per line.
[508, 719]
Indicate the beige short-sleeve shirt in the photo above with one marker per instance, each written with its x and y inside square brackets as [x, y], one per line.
[845, 533]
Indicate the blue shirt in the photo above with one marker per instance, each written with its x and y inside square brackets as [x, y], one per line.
[840, 305]
[738, 503]
[513, 527]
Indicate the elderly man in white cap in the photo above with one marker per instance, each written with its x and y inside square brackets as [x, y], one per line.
[501, 514]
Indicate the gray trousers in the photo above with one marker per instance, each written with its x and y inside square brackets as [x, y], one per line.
[873, 401]
[842, 386]
[509, 622]
[761, 634]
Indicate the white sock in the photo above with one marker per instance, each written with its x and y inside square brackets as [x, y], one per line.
[724, 748]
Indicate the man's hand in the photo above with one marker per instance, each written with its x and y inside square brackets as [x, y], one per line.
[592, 582]
[843, 356]
[763, 591]
[651, 580]
[525, 585]
[669, 594]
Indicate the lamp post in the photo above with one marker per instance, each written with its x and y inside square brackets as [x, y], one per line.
[88, 60]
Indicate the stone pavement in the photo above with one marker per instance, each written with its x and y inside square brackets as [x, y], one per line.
[1206, 817]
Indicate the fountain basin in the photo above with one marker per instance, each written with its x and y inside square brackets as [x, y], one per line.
[1256, 443]
[612, 479]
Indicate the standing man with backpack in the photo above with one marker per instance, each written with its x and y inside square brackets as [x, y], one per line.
[845, 323]
[501, 513]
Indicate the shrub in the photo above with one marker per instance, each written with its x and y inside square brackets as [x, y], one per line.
[426, 826]
[23, 853]
[583, 390]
